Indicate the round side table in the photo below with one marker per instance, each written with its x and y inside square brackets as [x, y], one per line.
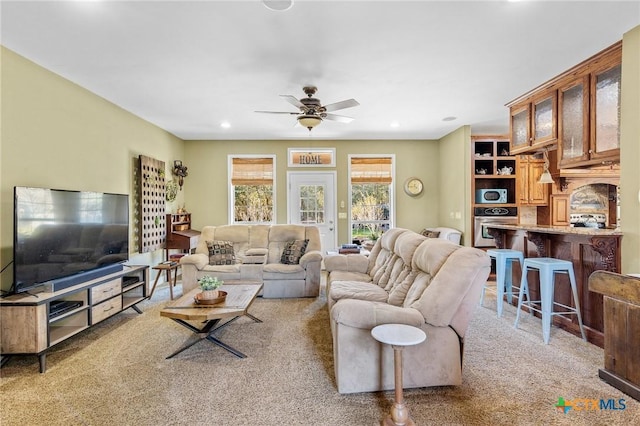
[398, 336]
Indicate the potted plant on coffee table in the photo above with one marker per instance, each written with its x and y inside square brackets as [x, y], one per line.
[209, 286]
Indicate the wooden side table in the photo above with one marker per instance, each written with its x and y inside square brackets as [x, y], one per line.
[398, 336]
[169, 267]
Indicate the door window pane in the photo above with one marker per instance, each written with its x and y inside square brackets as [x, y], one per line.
[312, 204]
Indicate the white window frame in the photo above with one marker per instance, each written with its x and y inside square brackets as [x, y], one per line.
[232, 192]
[392, 196]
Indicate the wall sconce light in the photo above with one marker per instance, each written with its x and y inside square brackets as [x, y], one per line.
[180, 171]
[545, 177]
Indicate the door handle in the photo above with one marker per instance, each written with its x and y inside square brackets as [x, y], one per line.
[330, 229]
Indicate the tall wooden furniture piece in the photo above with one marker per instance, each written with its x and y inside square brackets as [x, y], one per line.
[180, 236]
[490, 157]
[32, 324]
[621, 299]
[398, 336]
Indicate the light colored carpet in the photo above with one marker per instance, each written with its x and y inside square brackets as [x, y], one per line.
[116, 374]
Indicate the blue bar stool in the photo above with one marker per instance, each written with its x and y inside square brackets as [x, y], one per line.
[547, 268]
[504, 259]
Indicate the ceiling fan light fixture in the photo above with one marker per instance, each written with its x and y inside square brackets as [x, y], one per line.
[309, 121]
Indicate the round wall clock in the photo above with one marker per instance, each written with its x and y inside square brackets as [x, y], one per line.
[413, 186]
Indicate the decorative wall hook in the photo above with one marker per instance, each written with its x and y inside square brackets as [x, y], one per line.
[180, 171]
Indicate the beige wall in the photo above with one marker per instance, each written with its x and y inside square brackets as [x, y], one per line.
[630, 152]
[56, 134]
[206, 186]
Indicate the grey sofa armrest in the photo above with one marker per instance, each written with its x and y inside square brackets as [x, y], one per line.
[199, 260]
[347, 262]
[367, 314]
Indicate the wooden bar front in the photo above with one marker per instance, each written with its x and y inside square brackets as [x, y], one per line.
[588, 249]
[621, 330]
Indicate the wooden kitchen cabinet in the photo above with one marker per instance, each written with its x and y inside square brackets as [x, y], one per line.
[528, 191]
[589, 112]
[573, 122]
[578, 111]
[520, 128]
[560, 210]
[534, 122]
[605, 111]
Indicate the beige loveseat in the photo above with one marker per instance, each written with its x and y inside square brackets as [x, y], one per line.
[429, 283]
[257, 257]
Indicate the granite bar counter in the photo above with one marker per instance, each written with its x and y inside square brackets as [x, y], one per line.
[589, 249]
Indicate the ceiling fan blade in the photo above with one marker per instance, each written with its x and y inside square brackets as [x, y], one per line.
[335, 117]
[278, 112]
[293, 101]
[341, 105]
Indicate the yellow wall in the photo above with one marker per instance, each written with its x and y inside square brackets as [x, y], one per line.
[630, 152]
[56, 134]
[206, 195]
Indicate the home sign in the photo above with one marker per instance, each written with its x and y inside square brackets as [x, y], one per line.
[312, 157]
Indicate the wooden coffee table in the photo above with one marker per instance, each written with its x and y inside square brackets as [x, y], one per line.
[184, 309]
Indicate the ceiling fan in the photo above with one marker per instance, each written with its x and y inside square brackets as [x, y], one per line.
[312, 112]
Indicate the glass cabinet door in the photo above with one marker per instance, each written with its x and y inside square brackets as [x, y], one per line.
[573, 121]
[520, 133]
[544, 119]
[606, 89]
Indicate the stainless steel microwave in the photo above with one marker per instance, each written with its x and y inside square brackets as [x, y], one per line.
[491, 196]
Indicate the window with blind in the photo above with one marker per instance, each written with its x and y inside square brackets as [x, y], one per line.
[371, 179]
[252, 182]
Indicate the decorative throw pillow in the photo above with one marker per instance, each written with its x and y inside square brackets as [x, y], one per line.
[293, 251]
[221, 253]
[430, 234]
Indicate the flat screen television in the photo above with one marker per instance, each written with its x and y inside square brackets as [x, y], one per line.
[66, 237]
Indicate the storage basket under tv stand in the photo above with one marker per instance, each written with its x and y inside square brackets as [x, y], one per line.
[28, 329]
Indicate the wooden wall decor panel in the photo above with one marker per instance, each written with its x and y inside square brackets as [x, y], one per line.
[152, 204]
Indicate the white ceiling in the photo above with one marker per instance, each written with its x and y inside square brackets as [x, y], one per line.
[187, 66]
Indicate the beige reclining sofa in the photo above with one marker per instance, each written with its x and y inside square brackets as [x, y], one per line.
[257, 255]
[408, 278]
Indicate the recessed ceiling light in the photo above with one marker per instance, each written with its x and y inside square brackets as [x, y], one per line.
[225, 124]
[394, 124]
[278, 5]
[451, 118]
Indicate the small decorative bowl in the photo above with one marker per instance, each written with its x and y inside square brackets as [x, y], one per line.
[210, 297]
